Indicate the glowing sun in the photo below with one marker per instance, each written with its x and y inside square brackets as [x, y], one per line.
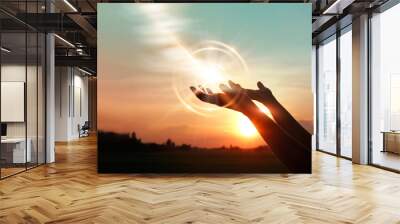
[245, 127]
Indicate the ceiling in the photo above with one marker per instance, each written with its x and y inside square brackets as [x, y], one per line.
[75, 22]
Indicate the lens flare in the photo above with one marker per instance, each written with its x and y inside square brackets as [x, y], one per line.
[212, 63]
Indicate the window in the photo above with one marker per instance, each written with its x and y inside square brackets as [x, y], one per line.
[394, 102]
[327, 96]
[346, 92]
[385, 89]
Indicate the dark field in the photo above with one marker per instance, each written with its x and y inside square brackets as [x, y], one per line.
[119, 153]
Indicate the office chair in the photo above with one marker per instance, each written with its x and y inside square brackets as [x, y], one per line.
[84, 130]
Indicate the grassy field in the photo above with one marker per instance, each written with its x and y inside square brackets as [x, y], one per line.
[124, 153]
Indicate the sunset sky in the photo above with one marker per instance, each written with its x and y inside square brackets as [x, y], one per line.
[149, 55]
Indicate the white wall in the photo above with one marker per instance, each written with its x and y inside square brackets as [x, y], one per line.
[71, 102]
[62, 81]
[12, 73]
[80, 110]
[33, 127]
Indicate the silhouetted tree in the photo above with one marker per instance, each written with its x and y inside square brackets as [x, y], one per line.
[170, 144]
[134, 138]
[132, 135]
[185, 147]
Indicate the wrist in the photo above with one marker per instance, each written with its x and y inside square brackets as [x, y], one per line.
[271, 101]
[251, 112]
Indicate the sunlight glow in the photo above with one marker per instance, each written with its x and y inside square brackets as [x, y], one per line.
[264, 109]
[207, 63]
[211, 73]
[245, 127]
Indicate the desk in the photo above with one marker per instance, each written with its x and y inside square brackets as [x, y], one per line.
[391, 141]
[15, 148]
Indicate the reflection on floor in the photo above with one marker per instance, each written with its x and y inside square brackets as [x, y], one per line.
[387, 159]
[8, 170]
[71, 191]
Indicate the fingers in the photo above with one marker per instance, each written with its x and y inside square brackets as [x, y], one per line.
[225, 89]
[199, 94]
[252, 93]
[261, 86]
[202, 89]
[234, 86]
[207, 95]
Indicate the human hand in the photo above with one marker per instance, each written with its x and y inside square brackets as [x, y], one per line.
[262, 94]
[233, 97]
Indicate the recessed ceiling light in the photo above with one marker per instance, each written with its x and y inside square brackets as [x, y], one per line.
[5, 50]
[337, 7]
[84, 71]
[70, 5]
[64, 40]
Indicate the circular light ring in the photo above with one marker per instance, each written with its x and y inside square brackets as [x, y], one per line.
[205, 46]
[229, 50]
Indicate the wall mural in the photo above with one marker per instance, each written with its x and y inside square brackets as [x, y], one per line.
[204, 88]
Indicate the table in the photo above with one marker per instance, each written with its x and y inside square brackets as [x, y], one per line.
[391, 141]
[13, 150]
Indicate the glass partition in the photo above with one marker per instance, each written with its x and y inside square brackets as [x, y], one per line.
[22, 88]
[14, 153]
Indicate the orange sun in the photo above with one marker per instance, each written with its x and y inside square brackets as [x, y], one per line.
[244, 125]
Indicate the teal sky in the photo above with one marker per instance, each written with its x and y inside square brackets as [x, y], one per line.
[263, 29]
[278, 33]
[139, 47]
